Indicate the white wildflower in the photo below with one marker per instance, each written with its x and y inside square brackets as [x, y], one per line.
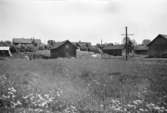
[18, 102]
[150, 106]
[12, 89]
[115, 101]
[141, 109]
[138, 102]
[124, 109]
[116, 108]
[131, 106]
[38, 110]
[4, 96]
[27, 96]
[40, 97]
[46, 95]
[157, 108]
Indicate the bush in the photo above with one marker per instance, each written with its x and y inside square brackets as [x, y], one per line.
[13, 49]
[23, 48]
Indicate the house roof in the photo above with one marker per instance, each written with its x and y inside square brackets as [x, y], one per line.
[160, 35]
[113, 47]
[22, 40]
[140, 47]
[4, 48]
[59, 44]
[163, 35]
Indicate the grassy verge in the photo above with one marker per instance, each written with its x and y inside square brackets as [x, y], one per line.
[83, 85]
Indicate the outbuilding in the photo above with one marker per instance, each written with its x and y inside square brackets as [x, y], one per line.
[158, 46]
[63, 49]
[116, 50]
[5, 52]
[141, 50]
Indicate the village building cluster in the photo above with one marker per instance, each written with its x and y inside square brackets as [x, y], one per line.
[156, 48]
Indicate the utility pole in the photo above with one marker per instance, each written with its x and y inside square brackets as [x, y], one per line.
[126, 42]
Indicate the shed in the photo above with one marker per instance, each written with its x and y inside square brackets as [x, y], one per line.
[116, 50]
[94, 49]
[158, 46]
[5, 52]
[141, 50]
[63, 49]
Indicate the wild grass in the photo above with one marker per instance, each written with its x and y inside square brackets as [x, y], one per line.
[84, 85]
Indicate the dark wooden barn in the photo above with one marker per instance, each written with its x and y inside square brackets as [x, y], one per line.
[116, 50]
[158, 46]
[141, 50]
[63, 49]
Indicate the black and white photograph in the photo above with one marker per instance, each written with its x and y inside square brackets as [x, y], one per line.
[83, 56]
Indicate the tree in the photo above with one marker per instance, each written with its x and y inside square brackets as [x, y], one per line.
[130, 44]
[34, 43]
[146, 42]
[13, 49]
[51, 43]
[5, 43]
[134, 42]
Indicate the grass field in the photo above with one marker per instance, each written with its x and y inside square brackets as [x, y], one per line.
[87, 84]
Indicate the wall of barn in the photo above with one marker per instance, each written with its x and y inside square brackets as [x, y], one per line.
[67, 50]
[158, 47]
[141, 52]
[4, 53]
[115, 52]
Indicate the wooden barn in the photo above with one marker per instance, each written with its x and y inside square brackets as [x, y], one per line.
[141, 50]
[5, 52]
[158, 46]
[116, 50]
[63, 49]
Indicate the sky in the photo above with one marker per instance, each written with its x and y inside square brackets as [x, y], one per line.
[82, 20]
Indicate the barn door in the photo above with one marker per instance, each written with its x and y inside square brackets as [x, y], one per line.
[67, 54]
[67, 50]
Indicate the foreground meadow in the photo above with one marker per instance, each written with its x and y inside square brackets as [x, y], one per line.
[83, 85]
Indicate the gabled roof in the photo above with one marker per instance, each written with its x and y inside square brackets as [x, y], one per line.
[163, 35]
[4, 48]
[59, 44]
[113, 47]
[140, 47]
[22, 40]
[160, 35]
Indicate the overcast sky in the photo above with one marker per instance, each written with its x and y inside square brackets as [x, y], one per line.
[85, 20]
